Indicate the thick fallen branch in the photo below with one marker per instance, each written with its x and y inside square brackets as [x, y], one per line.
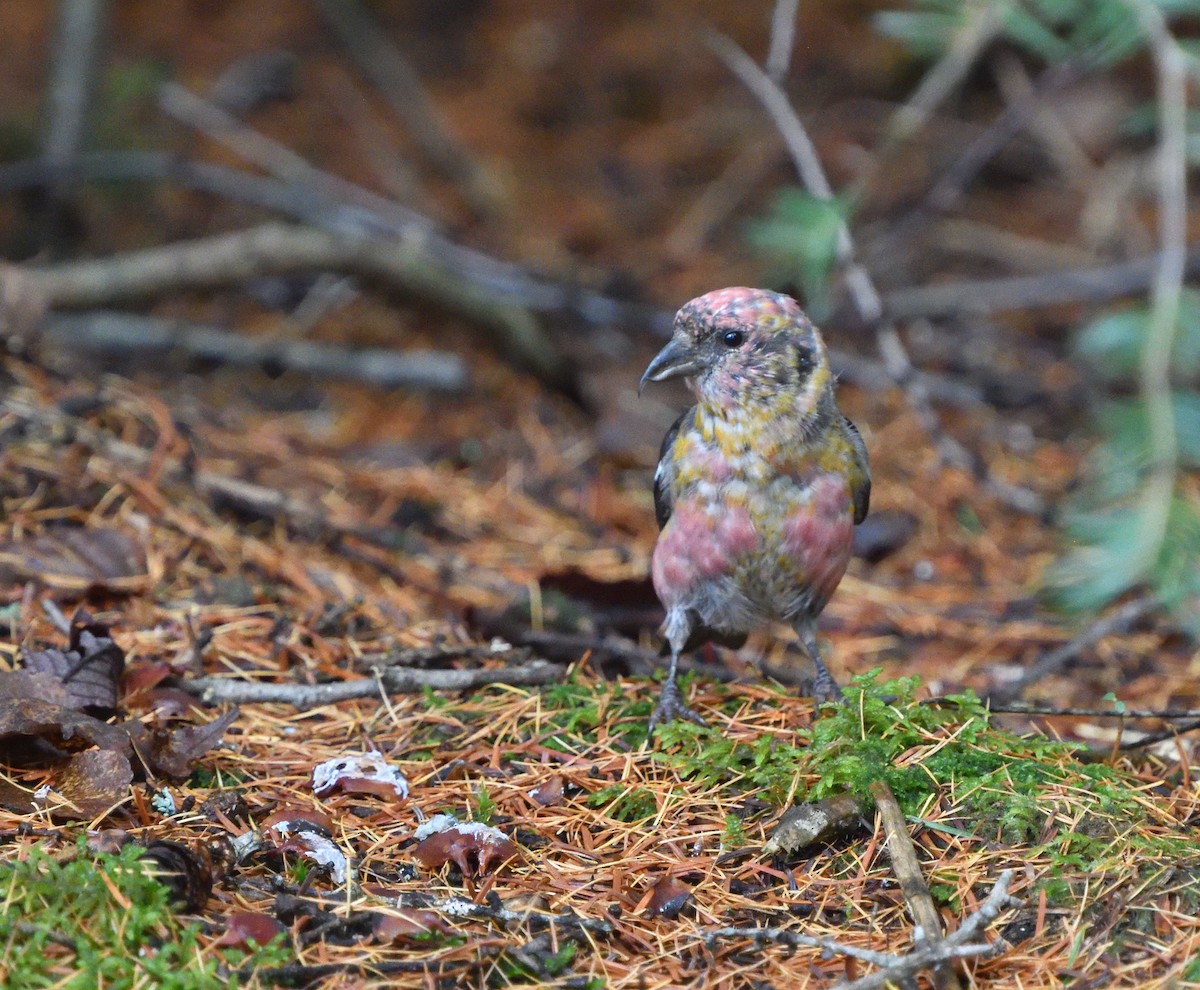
[894, 969]
[279, 249]
[386, 680]
[983, 296]
[145, 336]
[343, 208]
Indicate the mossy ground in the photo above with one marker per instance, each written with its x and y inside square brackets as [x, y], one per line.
[81, 921]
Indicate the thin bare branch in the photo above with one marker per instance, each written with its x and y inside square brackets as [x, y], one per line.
[895, 969]
[783, 39]
[279, 160]
[1118, 621]
[808, 164]
[982, 20]
[952, 184]
[1081, 285]
[386, 680]
[400, 85]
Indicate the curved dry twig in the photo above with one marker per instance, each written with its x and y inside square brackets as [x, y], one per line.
[959, 944]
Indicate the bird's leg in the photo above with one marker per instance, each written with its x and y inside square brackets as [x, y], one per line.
[670, 702]
[825, 688]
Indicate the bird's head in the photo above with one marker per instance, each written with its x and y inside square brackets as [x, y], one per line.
[747, 347]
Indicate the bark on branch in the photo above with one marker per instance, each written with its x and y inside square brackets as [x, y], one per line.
[279, 249]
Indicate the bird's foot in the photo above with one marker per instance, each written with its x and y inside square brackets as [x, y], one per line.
[825, 688]
[671, 707]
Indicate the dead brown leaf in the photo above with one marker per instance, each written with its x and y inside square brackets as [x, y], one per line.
[71, 558]
[403, 924]
[93, 782]
[28, 685]
[549, 792]
[172, 751]
[298, 817]
[64, 728]
[245, 927]
[666, 898]
[89, 669]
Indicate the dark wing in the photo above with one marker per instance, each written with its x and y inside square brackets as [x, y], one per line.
[860, 478]
[664, 474]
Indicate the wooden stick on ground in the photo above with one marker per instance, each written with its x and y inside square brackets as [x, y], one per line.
[393, 680]
[912, 882]
[896, 970]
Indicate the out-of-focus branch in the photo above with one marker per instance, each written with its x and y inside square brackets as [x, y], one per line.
[278, 249]
[1155, 372]
[147, 336]
[783, 38]
[279, 160]
[320, 205]
[400, 85]
[808, 164]
[75, 66]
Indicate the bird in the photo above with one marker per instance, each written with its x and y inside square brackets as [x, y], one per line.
[759, 484]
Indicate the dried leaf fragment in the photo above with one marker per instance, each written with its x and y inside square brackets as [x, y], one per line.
[404, 924]
[22, 719]
[299, 818]
[28, 685]
[93, 782]
[78, 559]
[89, 669]
[666, 898]
[173, 751]
[549, 791]
[245, 927]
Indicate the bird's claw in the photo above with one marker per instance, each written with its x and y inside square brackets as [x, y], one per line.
[825, 688]
[671, 707]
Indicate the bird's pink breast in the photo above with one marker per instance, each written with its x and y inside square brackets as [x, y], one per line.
[781, 553]
[819, 535]
[698, 546]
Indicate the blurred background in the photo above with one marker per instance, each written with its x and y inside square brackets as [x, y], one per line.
[407, 260]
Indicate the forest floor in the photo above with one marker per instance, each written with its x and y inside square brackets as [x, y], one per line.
[457, 582]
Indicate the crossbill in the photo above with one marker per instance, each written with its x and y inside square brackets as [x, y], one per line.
[759, 484]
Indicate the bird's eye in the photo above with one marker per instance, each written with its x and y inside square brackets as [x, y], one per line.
[733, 338]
